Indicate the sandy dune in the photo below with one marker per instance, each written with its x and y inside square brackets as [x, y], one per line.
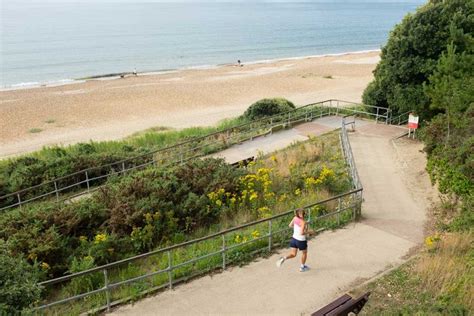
[112, 109]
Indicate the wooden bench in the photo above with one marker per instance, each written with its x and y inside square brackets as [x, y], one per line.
[343, 306]
[244, 162]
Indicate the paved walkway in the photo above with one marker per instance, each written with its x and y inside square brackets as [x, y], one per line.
[281, 139]
[392, 225]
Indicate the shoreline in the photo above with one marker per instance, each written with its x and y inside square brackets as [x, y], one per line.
[108, 109]
[117, 75]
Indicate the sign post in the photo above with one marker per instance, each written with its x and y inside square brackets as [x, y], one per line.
[412, 124]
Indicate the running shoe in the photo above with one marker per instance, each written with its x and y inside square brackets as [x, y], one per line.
[304, 268]
[280, 262]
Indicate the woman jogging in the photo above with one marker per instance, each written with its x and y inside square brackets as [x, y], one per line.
[298, 241]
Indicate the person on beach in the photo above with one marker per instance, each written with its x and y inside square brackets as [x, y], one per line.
[298, 241]
[135, 71]
[239, 63]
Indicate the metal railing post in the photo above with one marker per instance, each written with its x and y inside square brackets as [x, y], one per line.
[56, 190]
[309, 218]
[354, 206]
[223, 252]
[107, 291]
[270, 241]
[170, 274]
[339, 204]
[123, 166]
[19, 199]
[87, 181]
[377, 116]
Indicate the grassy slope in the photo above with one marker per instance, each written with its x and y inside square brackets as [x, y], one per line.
[437, 281]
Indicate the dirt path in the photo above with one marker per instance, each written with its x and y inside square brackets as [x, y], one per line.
[393, 224]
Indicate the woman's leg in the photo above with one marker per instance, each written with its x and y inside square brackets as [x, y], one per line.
[304, 255]
[292, 253]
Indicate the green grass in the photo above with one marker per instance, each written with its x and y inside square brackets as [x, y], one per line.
[35, 130]
[439, 280]
[50, 121]
[328, 77]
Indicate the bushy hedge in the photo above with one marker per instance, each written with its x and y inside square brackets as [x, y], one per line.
[52, 162]
[18, 283]
[129, 215]
[268, 107]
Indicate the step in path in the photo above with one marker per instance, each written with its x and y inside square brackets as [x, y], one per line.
[397, 193]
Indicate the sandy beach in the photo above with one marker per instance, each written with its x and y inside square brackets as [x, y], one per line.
[113, 109]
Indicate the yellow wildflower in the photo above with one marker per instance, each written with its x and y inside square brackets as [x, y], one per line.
[82, 238]
[100, 238]
[264, 212]
[237, 239]
[255, 234]
[253, 196]
[32, 256]
[44, 266]
[429, 241]
[298, 192]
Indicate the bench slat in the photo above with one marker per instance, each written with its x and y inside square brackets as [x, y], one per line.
[333, 305]
[353, 305]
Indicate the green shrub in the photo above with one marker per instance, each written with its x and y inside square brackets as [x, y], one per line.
[411, 54]
[18, 283]
[268, 107]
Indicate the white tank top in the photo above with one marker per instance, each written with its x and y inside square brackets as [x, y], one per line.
[298, 233]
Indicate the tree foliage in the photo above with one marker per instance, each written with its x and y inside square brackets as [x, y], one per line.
[412, 52]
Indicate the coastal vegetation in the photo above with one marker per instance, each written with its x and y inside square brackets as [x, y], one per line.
[427, 67]
[153, 208]
[50, 163]
[160, 206]
[268, 107]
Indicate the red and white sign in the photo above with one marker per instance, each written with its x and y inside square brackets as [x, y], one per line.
[412, 121]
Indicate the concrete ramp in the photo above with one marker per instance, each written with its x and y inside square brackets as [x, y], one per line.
[282, 139]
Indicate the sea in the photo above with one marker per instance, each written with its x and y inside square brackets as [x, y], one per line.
[47, 42]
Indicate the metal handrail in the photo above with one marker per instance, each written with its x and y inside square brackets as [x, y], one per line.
[356, 199]
[347, 150]
[286, 118]
[314, 110]
[319, 106]
[355, 206]
[399, 118]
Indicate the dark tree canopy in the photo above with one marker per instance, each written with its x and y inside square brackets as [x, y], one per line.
[412, 52]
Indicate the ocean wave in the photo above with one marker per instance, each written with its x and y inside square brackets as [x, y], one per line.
[118, 75]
